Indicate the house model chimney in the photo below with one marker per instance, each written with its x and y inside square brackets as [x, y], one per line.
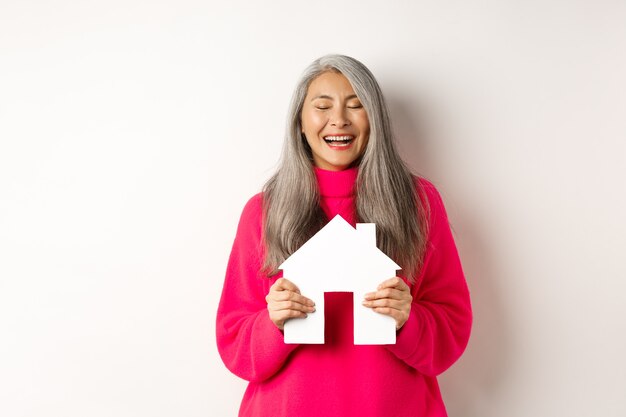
[367, 233]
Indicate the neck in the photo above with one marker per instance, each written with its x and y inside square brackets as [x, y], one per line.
[336, 183]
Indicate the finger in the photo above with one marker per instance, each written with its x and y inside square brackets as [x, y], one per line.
[387, 293]
[395, 282]
[399, 316]
[387, 303]
[279, 317]
[287, 295]
[290, 296]
[290, 314]
[388, 311]
[290, 305]
[283, 284]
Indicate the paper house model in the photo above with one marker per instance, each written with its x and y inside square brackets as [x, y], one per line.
[340, 258]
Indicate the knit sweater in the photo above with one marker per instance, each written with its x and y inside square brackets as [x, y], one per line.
[339, 378]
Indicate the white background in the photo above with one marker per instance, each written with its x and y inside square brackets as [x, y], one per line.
[132, 133]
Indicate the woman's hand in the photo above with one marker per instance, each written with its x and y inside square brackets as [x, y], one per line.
[285, 302]
[393, 298]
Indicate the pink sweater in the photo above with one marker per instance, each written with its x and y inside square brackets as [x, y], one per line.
[339, 378]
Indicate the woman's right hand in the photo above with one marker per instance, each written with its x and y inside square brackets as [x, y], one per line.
[284, 301]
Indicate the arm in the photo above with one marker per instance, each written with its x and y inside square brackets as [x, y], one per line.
[250, 345]
[439, 323]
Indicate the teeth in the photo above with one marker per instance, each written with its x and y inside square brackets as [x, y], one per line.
[338, 138]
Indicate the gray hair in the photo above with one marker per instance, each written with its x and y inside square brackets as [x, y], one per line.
[386, 192]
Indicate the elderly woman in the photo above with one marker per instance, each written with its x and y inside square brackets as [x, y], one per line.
[339, 158]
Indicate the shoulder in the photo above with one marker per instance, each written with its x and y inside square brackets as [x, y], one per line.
[254, 205]
[432, 203]
[250, 221]
[424, 185]
[428, 193]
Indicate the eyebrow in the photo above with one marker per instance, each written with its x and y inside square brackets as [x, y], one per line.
[350, 97]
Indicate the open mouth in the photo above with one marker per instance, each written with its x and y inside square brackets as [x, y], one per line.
[339, 141]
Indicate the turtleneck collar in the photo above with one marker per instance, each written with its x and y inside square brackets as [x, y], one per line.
[336, 183]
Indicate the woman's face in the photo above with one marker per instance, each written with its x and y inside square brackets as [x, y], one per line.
[334, 122]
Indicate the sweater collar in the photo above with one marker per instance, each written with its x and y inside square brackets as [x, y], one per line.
[336, 183]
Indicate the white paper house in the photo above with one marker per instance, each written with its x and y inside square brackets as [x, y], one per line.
[340, 258]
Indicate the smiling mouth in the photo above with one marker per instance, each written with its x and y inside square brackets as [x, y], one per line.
[339, 141]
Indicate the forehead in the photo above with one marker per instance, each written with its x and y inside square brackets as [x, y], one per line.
[330, 83]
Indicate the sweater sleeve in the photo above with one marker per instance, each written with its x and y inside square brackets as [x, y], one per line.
[438, 328]
[250, 345]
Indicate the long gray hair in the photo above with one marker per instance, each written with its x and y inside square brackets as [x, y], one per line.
[386, 192]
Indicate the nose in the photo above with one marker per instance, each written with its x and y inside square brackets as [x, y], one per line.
[338, 118]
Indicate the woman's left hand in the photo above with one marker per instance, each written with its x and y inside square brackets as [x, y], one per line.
[393, 298]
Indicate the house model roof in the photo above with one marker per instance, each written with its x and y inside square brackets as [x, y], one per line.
[339, 240]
